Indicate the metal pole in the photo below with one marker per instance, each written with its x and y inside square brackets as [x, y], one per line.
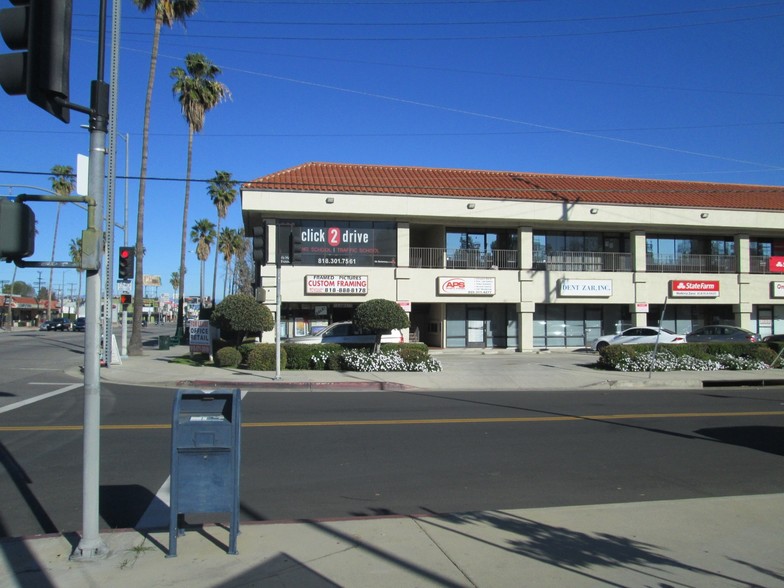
[277, 318]
[91, 546]
[124, 329]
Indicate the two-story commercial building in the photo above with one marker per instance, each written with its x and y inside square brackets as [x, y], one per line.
[516, 260]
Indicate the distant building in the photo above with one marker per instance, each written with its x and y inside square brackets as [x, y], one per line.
[518, 260]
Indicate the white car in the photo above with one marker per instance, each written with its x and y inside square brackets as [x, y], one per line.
[346, 334]
[638, 335]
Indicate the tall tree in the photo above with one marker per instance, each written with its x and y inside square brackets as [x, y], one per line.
[63, 183]
[229, 244]
[166, 12]
[222, 193]
[203, 234]
[75, 253]
[198, 92]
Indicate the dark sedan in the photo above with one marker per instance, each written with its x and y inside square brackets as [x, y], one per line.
[721, 333]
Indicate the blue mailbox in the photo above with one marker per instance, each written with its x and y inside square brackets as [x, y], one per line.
[205, 460]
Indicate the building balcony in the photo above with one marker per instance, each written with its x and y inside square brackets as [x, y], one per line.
[441, 258]
[692, 264]
[583, 261]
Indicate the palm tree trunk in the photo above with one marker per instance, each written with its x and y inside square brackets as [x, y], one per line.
[215, 268]
[51, 269]
[181, 304]
[135, 342]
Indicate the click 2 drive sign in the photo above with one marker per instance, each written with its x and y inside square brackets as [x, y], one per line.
[694, 288]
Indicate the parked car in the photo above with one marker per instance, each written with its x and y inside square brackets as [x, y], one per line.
[79, 324]
[773, 338]
[345, 333]
[58, 324]
[721, 333]
[638, 335]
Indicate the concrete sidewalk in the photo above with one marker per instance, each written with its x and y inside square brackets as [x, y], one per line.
[466, 369]
[736, 541]
[731, 541]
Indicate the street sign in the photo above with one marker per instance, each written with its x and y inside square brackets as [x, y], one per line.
[124, 287]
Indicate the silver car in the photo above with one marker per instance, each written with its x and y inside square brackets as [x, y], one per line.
[346, 333]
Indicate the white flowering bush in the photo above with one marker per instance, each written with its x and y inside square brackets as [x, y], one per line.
[666, 361]
[386, 361]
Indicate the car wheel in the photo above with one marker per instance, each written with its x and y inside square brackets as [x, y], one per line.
[601, 345]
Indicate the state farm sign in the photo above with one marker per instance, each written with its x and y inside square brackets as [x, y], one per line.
[694, 288]
[776, 263]
[466, 286]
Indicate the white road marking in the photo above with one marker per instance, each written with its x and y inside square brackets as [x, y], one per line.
[34, 399]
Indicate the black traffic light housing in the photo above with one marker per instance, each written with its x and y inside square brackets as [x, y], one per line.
[260, 241]
[40, 32]
[17, 230]
[126, 264]
[295, 247]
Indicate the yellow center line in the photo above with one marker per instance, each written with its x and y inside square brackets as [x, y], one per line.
[467, 421]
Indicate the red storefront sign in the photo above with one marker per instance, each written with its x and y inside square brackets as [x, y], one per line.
[776, 263]
[694, 288]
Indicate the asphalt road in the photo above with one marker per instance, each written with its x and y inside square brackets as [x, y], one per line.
[338, 454]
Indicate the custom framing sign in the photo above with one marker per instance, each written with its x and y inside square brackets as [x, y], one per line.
[336, 284]
[452, 286]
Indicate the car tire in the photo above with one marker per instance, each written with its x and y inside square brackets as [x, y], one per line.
[601, 345]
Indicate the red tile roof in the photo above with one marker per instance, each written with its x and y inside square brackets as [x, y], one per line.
[463, 183]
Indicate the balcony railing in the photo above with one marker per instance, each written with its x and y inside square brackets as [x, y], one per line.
[578, 261]
[436, 257]
[583, 261]
[760, 264]
[692, 263]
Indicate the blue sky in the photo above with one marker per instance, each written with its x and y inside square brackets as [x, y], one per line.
[678, 89]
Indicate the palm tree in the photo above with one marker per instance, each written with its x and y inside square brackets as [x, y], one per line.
[174, 280]
[203, 234]
[166, 12]
[223, 193]
[198, 92]
[75, 253]
[229, 241]
[63, 183]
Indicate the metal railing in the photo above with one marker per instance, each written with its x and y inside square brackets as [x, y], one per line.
[692, 263]
[439, 258]
[583, 261]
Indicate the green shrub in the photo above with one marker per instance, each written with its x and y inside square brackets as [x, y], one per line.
[262, 358]
[245, 349]
[613, 356]
[239, 315]
[227, 357]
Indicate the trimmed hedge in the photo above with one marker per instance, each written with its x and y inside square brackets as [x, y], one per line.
[262, 357]
[227, 357]
[613, 355]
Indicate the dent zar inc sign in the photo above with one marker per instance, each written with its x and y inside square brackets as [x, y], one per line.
[466, 286]
[585, 287]
[335, 284]
[694, 288]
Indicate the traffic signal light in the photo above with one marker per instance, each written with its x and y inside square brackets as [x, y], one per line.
[40, 32]
[126, 268]
[260, 250]
[126, 298]
[17, 230]
[295, 247]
